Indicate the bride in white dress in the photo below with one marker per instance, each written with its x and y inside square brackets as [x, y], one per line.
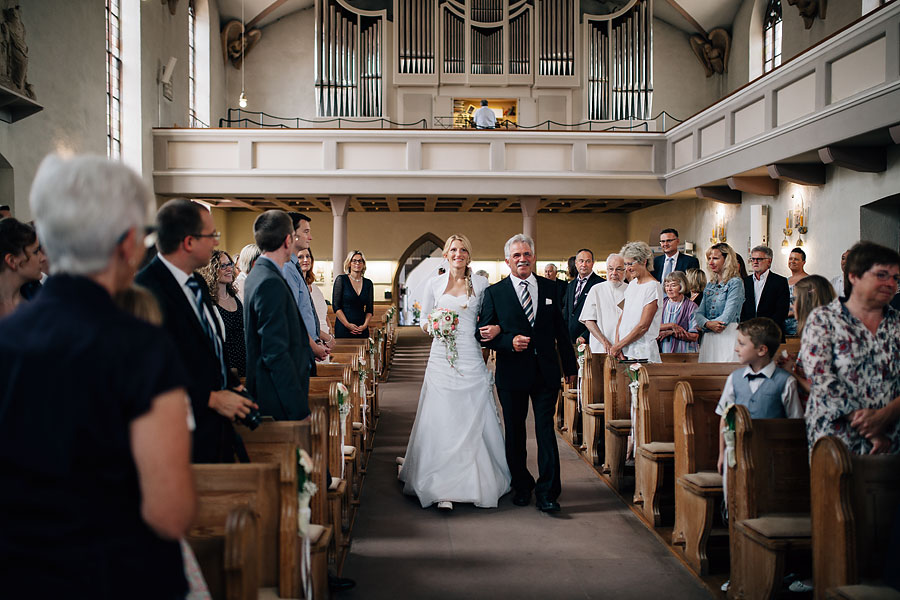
[456, 451]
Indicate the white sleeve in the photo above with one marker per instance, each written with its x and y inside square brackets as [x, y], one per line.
[793, 409]
[727, 396]
[590, 311]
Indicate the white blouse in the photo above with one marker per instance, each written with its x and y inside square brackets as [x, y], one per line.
[637, 296]
[321, 308]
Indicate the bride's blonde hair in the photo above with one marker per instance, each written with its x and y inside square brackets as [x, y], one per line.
[468, 246]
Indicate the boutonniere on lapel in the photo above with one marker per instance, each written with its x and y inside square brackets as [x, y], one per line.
[548, 300]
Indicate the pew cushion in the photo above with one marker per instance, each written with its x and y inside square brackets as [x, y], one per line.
[780, 526]
[594, 409]
[357, 425]
[704, 480]
[658, 450]
[316, 532]
[349, 452]
[266, 593]
[619, 426]
[864, 592]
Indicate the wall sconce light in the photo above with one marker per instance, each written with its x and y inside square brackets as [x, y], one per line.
[718, 230]
[797, 216]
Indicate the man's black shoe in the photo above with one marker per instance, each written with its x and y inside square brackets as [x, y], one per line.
[522, 498]
[340, 583]
[547, 506]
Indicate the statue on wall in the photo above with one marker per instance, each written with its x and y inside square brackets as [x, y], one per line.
[236, 43]
[712, 50]
[809, 10]
[14, 52]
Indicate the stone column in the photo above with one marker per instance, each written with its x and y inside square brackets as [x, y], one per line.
[529, 206]
[339, 206]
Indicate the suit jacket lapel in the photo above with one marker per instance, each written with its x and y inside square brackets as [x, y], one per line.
[177, 297]
[514, 290]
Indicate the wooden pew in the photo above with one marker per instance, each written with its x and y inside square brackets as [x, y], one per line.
[229, 561]
[222, 489]
[791, 344]
[855, 500]
[698, 485]
[655, 425]
[592, 406]
[338, 497]
[768, 504]
[617, 409]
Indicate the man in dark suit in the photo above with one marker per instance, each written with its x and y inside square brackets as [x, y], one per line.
[671, 259]
[576, 292]
[766, 294]
[550, 273]
[186, 238]
[531, 341]
[278, 351]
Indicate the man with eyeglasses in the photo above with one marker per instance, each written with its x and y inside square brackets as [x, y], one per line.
[186, 236]
[602, 308]
[766, 294]
[671, 259]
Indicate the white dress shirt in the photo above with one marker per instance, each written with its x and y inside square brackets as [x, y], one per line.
[789, 396]
[532, 289]
[485, 118]
[602, 305]
[758, 284]
[181, 277]
[838, 284]
[669, 265]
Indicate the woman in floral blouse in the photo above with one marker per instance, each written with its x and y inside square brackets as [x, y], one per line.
[851, 354]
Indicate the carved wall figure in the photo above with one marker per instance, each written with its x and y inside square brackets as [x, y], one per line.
[236, 44]
[173, 5]
[809, 10]
[14, 52]
[712, 51]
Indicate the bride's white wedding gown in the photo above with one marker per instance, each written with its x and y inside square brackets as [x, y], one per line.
[456, 450]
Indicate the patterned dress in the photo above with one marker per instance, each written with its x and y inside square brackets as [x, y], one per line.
[849, 368]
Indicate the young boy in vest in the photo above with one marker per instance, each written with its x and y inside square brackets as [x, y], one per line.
[768, 391]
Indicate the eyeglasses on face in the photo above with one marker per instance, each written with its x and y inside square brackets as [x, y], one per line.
[357, 260]
[215, 235]
[224, 266]
[754, 259]
[630, 264]
[662, 241]
[618, 269]
[884, 276]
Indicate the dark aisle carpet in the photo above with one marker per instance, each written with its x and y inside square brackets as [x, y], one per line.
[594, 548]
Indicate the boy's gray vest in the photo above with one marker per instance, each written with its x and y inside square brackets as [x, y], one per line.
[766, 402]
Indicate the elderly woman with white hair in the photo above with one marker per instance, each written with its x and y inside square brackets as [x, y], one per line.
[96, 478]
[244, 263]
[639, 323]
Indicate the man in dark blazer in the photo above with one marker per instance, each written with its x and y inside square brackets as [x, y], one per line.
[550, 272]
[576, 292]
[671, 259]
[186, 238]
[766, 294]
[278, 351]
[530, 343]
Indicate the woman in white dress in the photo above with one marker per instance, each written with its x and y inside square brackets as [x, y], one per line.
[641, 315]
[456, 451]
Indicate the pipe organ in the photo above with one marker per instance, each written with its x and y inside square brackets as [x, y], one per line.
[349, 60]
[620, 56]
[540, 43]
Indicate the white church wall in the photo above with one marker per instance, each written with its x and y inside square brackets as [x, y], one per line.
[680, 85]
[66, 66]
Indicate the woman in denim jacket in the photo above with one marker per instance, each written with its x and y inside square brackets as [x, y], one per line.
[719, 312]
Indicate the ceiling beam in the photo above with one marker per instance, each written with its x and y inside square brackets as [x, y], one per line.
[801, 174]
[574, 206]
[864, 159]
[687, 17]
[430, 203]
[264, 13]
[719, 193]
[243, 204]
[504, 205]
[895, 133]
[392, 203]
[282, 205]
[467, 204]
[761, 186]
[355, 205]
[318, 204]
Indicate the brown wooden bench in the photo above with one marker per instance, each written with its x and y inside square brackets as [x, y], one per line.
[617, 409]
[768, 504]
[655, 427]
[698, 485]
[228, 560]
[593, 409]
[855, 501]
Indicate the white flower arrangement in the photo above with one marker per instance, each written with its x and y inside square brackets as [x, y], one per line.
[343, 399]
[442, 325]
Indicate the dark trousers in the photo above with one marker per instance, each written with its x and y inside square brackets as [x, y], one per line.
[515, 411]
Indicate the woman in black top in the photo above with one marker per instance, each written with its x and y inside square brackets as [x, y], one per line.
[219, 276]
[353, 299]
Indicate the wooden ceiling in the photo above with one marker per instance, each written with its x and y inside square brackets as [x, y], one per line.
[433, 204]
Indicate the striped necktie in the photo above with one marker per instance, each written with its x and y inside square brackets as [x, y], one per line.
[578, 287]
[527, 304]
[194, 286]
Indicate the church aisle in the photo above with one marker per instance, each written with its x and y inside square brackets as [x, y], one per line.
[594, 548]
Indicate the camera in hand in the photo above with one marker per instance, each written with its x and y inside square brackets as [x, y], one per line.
[254, 418]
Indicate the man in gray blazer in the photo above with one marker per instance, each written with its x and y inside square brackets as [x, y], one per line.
[278, 353]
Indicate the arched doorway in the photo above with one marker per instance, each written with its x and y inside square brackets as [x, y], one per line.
[426, 246]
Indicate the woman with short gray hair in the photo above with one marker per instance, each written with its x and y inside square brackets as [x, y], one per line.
[97, 482]
[639, 322]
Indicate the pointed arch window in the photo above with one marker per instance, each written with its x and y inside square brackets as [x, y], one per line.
[772, 36]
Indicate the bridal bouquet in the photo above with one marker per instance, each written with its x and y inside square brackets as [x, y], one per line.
[442, 324]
